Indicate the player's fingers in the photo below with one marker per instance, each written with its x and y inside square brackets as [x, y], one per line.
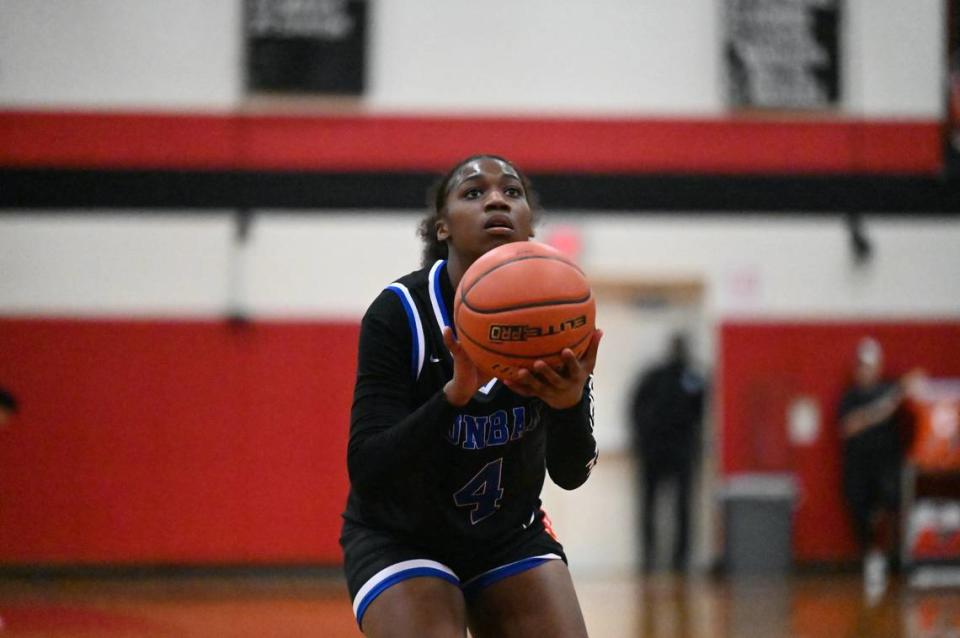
[548, 375]
[528, 380]
[451, 342]
[589, 359]
[571, 365]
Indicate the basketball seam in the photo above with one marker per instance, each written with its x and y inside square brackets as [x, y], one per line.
[549, 302]
[516, 259]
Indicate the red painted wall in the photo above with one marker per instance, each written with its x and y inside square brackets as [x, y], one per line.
[422, 143]
[174, 441]
[198, 442]
[764, 366]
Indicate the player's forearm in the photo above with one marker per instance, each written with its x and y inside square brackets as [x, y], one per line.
[872, 414]
[571, 446]
[572, 470]
[381, 446]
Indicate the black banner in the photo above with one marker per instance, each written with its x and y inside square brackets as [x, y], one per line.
[783, 54]
[306, 46]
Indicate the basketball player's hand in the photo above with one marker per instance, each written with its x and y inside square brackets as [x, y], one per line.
[563, 388]
[467, 379]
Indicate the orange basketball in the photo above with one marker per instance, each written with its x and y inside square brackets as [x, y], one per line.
[521, 302]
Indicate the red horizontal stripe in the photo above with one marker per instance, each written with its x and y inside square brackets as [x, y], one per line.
[412, 143]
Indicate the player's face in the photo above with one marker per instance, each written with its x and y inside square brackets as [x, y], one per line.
[486, 206]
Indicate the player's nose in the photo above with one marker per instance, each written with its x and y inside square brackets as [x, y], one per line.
[495, 201]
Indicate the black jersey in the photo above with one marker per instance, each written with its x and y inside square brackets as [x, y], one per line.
[435, 473]
[881, 440]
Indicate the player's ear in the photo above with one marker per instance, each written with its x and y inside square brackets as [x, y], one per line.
[443, 232]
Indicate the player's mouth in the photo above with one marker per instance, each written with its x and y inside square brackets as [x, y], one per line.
[499, 224]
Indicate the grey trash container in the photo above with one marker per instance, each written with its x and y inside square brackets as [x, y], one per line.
[757, 522]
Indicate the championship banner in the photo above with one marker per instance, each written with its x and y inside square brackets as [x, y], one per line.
[782, 54]
[306, 46]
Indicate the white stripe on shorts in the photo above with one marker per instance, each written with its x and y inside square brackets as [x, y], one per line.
[387, 572]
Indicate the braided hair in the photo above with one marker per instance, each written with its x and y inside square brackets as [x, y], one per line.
[433, 248]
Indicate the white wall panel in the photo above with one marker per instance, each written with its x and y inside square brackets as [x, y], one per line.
[658, 57]
[131, 264]
[790, 267]
[305, 265]
[120, 54]
[541, 55]
[894, 58]
[326, 265]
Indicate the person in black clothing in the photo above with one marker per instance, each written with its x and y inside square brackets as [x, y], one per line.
[443, 527]
[666, 412]
[872, 450]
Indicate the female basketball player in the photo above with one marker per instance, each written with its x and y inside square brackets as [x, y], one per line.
[443, 527]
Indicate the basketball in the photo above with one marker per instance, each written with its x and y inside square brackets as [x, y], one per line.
[521, 302]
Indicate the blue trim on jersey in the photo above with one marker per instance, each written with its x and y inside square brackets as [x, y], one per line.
[396, 578]
[411, 320]
[473, 587]
[440, 303]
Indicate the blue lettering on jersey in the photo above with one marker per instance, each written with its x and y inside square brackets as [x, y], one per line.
[474, 434]
[453, 434]
[477, 432]
[519, 422]
[499, 431]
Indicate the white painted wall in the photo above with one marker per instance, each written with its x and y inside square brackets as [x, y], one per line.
[545, 55]
[894, 58]
[121, 264]
[333, 264]
[542, 56]
[120, 54]
[326, 265]
[757, 266]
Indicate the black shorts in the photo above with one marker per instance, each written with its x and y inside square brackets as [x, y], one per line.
[871, 482]
[374, 560]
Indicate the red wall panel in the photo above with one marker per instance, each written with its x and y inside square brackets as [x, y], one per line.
[174, 441]
[201, 442]
[431, 143]
[765, 366]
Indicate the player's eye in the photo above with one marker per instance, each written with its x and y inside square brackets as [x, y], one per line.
[513, 191]
[472, 193]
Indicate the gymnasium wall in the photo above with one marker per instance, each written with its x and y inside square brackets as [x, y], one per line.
[602, 57]
[136, 386]
[319, 267]
[155, 430]
[782, 384]
[174, 441]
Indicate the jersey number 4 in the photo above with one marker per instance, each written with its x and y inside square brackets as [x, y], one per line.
[482, 492]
